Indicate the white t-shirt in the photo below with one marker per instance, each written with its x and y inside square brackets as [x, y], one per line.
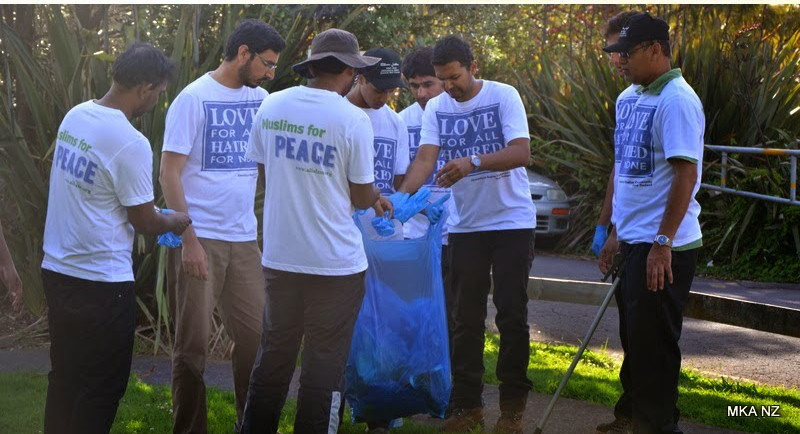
[312, 142]
[660, 127]
[484, 200]
[210, 123]
[390, 145]
[418, 225]
[101, 165]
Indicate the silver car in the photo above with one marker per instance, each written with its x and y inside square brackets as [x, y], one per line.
[552, 206]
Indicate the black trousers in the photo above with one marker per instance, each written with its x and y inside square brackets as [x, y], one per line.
[91, 343]
[321, 312]
[507, 254]
[449, 297]
[652, 323]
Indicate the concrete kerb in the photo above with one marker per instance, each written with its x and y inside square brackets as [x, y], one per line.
[756, 316]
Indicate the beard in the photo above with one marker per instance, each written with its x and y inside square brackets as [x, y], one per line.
[245, 76]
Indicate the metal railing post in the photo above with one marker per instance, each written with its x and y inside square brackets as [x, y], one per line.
[723, 187]
[724, 173]
[793, 179]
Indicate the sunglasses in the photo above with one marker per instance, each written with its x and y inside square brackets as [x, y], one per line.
[629, 53]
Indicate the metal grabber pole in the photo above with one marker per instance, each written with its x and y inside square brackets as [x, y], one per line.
[617, 268]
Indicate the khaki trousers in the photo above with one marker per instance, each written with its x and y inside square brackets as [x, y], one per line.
[236, 285]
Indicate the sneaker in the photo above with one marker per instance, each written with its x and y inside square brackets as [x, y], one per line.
[509, 423]
[462, 420]
[620, 425]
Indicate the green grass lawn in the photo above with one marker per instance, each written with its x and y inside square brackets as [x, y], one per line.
[146, 409]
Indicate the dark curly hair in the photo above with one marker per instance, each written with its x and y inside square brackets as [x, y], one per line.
[142, 63]
[452, 48]
[257, 35]
[419, 63]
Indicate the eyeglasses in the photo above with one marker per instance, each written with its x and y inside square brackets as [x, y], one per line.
[267, 64]
[629, 53]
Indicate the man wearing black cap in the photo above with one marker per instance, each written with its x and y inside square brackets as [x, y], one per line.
[373, 86]
[655, 217]
[624, 104]
[316, 149]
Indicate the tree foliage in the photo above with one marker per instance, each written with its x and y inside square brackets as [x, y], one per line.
[742, 60]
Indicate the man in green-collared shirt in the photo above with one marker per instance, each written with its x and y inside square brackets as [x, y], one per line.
[655, 216]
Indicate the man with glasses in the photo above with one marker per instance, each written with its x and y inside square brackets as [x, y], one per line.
[655, 215]
[204, 172]
[624, 104]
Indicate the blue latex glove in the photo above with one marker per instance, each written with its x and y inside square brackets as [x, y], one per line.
[169, 239]
[398, 200]
[600, 237]
[435, 210]
[412, 205]
[383, 226]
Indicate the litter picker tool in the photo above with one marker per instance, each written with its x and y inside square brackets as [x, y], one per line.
[617, 268]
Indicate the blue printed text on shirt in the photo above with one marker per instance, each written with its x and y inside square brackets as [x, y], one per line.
[637, 139]
[473, 133]
[226, 134]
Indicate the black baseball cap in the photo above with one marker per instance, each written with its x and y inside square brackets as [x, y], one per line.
[639, 28]
[385, 74]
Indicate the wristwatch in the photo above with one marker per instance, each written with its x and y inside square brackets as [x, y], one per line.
[663, 240]
[476, 161]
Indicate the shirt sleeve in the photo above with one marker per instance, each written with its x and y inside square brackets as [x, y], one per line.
[360, 159]
[183, 124]
[255, 143]
[403, 157]
[430, 127]
[513, 116]
[681, 129]
[132, 173]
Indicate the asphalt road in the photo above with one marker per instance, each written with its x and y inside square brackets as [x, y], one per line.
[780, 294]
[708, 347]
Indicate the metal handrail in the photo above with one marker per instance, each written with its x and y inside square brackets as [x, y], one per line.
[791, 153]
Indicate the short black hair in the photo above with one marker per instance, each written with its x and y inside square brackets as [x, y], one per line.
[615, 24]
[452, 48]
[142, 63]
[328, 65]
[257, 35]
[419, 63]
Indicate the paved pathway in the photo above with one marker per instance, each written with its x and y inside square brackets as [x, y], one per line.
[707, 346]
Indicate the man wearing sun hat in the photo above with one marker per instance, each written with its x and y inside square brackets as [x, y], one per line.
[655, 217]
[317, 155]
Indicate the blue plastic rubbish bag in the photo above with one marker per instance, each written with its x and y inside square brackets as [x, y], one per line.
[399, 361]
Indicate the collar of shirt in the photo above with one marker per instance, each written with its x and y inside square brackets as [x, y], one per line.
[658, 84]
